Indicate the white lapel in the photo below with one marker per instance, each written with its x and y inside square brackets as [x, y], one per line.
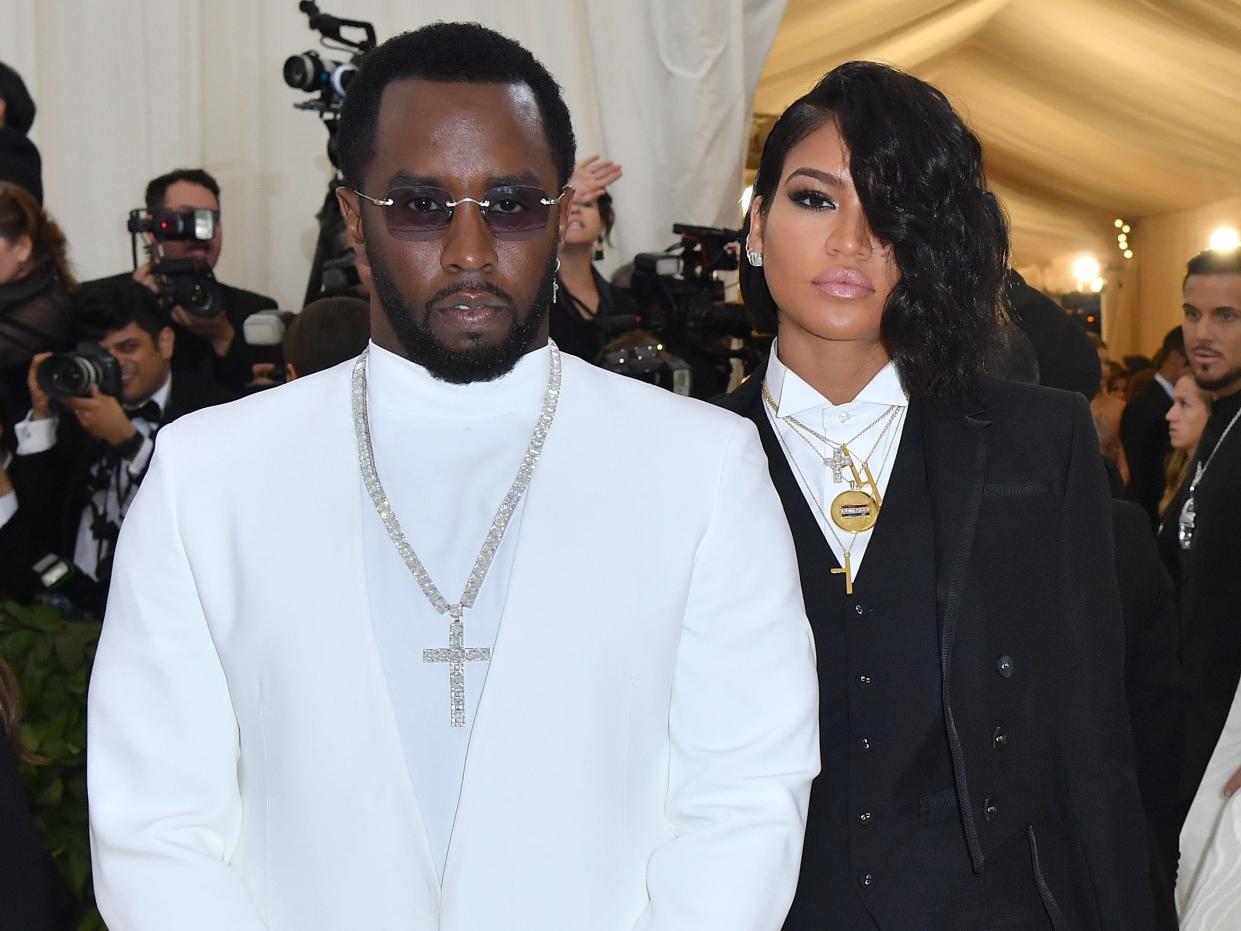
[332, 587]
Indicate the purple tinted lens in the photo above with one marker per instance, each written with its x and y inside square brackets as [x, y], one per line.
[423, 212]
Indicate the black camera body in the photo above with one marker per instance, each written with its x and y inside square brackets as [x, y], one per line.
[189, 224]
[74, 374]
[189, 283]
[329, 78]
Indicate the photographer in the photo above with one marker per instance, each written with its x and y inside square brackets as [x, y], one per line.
[84, 447]
[210, 343]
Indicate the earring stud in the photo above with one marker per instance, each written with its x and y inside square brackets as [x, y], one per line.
[754, 257]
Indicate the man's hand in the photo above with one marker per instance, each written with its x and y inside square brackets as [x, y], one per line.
[1232, 784]
[146, 277]
[40, 403]
[592, 176]
[218, 330]
[102, 416]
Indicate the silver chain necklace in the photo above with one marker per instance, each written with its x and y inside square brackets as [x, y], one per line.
[1186, 524]
[457, 654]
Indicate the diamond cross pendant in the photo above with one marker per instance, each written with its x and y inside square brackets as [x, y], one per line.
[838, 461]
[456, 655]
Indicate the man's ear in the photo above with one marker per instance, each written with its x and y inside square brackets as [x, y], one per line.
[166, 342]
[562, 214]
[351, 212]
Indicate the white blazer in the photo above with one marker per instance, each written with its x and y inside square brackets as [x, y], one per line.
[643, 749]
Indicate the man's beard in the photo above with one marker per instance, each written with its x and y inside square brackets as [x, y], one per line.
[1222, 382]
[478, 362]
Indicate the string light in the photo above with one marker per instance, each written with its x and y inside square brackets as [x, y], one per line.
[1122, 237]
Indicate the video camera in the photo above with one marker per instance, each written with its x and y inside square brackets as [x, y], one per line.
[685, 308]
[329, 78]
[188, 283]
[74, 374]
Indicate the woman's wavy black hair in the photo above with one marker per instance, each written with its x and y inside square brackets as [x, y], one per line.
[918, 171]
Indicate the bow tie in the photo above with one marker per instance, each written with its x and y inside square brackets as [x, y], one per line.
[148, 411]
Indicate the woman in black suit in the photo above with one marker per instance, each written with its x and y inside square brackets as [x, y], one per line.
[32, 896]
[953, 534]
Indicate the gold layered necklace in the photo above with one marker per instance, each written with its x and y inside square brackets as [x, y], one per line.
[855, 510]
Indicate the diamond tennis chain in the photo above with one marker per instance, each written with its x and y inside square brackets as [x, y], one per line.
[457, 654]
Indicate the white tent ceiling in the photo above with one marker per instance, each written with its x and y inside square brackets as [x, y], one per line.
[1088, 109]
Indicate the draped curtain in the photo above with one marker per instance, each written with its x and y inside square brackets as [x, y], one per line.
[129, 89]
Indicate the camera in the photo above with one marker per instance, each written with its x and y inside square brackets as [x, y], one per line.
[187, 283]
[329, 78]
[684, 306]
[74, 374]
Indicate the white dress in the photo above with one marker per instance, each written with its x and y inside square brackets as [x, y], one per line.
[1208, 889]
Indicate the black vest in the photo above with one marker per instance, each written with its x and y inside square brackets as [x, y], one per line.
[884, 847]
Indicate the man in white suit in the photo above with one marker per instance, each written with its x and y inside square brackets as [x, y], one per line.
[380, 682]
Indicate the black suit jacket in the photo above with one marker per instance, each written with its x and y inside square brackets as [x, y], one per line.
[53, 486]
[192, 352]
[1031, 648]
[1155, 691]
[1144, 434]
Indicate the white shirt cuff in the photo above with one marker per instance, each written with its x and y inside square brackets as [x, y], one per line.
[8, 507]
[35, 436]
[138, 464]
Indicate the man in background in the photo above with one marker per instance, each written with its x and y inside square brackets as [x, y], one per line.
[19, 159]
[211, 344]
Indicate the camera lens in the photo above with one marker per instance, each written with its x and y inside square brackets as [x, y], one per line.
[302, 71]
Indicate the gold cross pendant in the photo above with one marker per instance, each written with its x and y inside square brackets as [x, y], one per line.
[847, 572]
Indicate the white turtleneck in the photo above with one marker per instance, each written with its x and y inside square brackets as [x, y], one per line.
[446, 455]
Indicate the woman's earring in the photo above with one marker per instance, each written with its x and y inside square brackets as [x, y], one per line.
[599, 249]
[754, 257]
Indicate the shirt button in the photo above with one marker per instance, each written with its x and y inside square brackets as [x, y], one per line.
[863, 744]
[990, 809]
[864, 817]
[864, 681]
[1005, 666]
[998, 739]
[845, 416]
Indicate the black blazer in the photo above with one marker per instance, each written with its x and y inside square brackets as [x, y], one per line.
[1144, 434]
[1032, 647]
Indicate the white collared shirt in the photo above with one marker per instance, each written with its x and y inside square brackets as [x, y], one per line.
[446, 455]
[841, 423]
[38, 436]
[1166, 385]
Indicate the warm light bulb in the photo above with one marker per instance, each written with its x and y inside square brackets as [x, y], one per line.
[1119, 223]
[1125, 228]
[1225, 239]
[1085, 267]
[1128, 253]
[1096, 285]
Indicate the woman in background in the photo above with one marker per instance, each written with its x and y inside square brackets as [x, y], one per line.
[36, 289]
[585, 299]
[1191, 406]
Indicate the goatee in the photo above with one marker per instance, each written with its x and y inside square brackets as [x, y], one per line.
[475, 363]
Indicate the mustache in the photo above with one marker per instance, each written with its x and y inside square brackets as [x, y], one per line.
[475, 287]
